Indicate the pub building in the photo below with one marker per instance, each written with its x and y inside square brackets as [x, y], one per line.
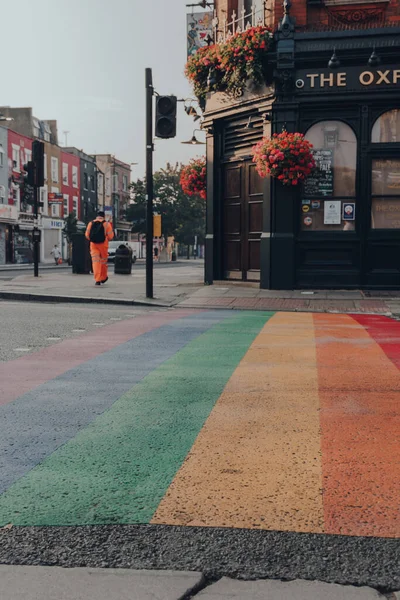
[340, 86]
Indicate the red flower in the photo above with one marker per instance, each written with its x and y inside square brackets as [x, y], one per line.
[193, 178]
[287, 156]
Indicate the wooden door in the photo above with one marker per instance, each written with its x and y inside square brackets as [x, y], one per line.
[242, 221]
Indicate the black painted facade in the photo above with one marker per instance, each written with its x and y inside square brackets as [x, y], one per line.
[282, 246]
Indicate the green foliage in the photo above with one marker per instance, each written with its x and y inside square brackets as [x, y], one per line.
[182, 216]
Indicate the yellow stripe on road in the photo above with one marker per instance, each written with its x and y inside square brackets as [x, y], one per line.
[257, 462]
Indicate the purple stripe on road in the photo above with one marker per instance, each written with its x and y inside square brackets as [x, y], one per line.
[42, 420]
[28, 372]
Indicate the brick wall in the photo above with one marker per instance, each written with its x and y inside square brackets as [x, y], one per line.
[393, 12]
[308, 15]
[225, 9]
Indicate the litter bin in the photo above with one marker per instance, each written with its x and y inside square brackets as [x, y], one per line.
[123, 260]
[81, 261]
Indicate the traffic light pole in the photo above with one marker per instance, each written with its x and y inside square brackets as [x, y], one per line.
[38, 181]
[36, 232]
[149, 183]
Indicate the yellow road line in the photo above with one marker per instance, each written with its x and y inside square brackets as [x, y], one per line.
[257, 462]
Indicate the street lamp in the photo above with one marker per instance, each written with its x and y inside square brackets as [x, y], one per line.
[3, 118]
[194, 141]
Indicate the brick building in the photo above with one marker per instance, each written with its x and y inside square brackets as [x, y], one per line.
[115, 179]
[333, 74]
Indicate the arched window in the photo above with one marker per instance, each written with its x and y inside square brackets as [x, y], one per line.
[386, 129]
[328, 202]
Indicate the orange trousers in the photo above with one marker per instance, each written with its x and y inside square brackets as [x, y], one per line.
[99, 254]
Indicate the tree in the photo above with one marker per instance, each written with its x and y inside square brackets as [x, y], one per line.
[70, 228]
[182, 216]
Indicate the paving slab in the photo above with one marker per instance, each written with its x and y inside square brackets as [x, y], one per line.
[281, 590]
[55, 583]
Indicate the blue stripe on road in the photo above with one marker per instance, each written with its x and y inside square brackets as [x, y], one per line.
[40, 421]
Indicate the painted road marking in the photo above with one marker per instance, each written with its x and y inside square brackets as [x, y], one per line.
[359, 389]
[71, 401]
[53, 339]
[28, 372]
[295, 384]
[256, 462]
[118, 469]
[78, 330]
[385, 332]
[22, 349]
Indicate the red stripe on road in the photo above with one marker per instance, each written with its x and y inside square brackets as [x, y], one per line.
[385, 332]
[360, 430]
[28, 372]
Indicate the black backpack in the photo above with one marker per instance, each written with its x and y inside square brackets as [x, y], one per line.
[97, 233]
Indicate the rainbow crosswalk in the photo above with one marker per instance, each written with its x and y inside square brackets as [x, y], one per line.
[275, 421]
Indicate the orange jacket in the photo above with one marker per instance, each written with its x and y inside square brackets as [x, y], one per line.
[108, 230]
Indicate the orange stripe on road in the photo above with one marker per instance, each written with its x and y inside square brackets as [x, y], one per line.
[360, 421]
[256, 463]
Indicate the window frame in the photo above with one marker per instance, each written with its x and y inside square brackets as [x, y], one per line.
[65, 173]
[54, 163]
[17, 166]
[75, 177]
[375, 122]
[325, 234]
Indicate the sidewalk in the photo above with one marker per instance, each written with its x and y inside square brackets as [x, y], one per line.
[171, 286]
[29, 267]
[183, 286]
[233, 295]
[55, 583]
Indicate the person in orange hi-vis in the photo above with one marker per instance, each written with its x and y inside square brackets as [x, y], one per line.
[99, 232]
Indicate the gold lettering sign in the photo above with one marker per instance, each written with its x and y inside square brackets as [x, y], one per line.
[354, 77]
[366, 78]
[328, 80]
[312, 78]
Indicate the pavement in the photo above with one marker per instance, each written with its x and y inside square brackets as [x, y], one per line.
[173, 282]
[44, 583]
[255, 454]
[181, 284]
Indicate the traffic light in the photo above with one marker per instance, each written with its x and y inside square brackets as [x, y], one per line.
[29, 169]
[166, 116]
[38, 159]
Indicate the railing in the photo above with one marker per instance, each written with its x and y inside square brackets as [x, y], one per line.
[242, 21]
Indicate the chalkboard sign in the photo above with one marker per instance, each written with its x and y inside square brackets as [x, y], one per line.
[320, 183]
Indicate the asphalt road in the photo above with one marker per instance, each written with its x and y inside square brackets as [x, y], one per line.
[243, 443]
[27, 327]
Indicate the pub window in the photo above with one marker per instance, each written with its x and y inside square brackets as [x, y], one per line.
[385, 212]
[386, 129]
[328, 199]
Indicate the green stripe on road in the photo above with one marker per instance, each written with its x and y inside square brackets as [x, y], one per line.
[118, 469]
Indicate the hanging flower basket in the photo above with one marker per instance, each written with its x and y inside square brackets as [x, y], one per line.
[198, 69]
[286, 156]
[193, 178]
[227, 66]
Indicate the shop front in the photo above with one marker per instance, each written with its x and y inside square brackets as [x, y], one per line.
[341, 229]
[8, 220]
[51, 235]
[348, 217]
[22, 239]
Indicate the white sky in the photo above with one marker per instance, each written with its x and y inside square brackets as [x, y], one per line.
[82, 62]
